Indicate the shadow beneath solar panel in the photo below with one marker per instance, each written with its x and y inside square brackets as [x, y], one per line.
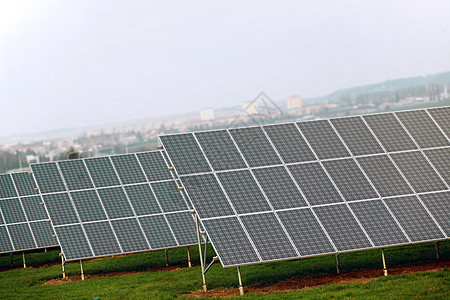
[33, 258]
[297, 274]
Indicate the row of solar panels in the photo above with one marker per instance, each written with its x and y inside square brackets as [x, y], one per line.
[262, 193]
[292, 190]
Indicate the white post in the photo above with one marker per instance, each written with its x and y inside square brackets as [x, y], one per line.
[167, 257]
[23, 258]
[189, 258]
[338, 264]
[384, 263]
[200, 253]
[241, 287]
[82, 271]
[63, 264]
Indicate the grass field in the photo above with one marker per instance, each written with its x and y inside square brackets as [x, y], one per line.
[147, 277]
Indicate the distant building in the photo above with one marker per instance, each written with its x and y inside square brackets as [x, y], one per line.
[207, 114]
[251, 107]
[294, 105]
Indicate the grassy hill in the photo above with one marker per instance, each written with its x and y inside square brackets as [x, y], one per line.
[145, 276]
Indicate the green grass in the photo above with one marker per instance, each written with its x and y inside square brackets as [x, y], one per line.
[28, 283]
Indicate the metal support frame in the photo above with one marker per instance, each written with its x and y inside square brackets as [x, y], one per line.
[338, 264]
[45, 250]
[385, 272]
[81, 268]
[23, 259]
[241, 287]
[200, 253]
[167, 257]
[438, 253]
[63, 265]
[189, 257]
[11, 260]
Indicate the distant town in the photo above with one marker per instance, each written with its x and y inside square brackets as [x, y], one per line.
[142, 135]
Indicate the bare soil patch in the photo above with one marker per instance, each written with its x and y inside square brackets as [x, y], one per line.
[305, 282]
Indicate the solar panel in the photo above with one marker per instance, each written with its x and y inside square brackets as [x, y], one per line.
[310, 188]
[23, 221]
[114, 205]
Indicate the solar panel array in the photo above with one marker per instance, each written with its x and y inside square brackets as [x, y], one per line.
[293, 190]
[114, 205]
[23, 222]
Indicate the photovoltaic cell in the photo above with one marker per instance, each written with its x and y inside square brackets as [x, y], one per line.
[383, 174]
[438, 205]
[305, 231]
[48, 178]
[414, 218]
[207, 196]
[75, 174]
[154, 166]
[279, 188]
[323, 139]
[88, 206]
[243, 192]
[21, 236]
[102, 172]
[101, 238]
[357, 136]
[255, 146]
[73, 241]
[115, 202]
[169, 197]
[158, 232]
[43, 234]
[342, 227]
[378, 223]
[418, 172]
[234, 244]
[189, 158]
[349, 179]
[5, 242]
[390, 132]
[60, 209]
[440, 159]
[183, 226]
[423, 129]
[272, 243]
[6, 187]
[289, 143]
[33, 209]
[142, 199]
[128, 169]
[12, 211]
[441, 116]
[315, 184]
[130, 235]
[220, 150]
[24, 183]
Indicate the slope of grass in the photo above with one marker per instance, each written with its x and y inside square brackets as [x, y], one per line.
[28, 283]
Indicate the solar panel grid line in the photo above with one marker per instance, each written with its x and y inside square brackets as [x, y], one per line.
[441, 115]
[7, 231]
[227, 197]
[24, 212]
[370, 181]
[420, 200]
[75, 209]
[337, 189]
[159, 205]
[403, 176]
[436, 123]
[102, 205]
[420, 149]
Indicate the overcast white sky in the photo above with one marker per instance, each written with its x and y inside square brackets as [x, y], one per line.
[66, 64]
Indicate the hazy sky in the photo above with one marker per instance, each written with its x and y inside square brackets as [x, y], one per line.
[66, 64]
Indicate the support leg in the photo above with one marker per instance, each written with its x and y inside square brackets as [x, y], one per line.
[23, 259]
[200, 253]
[189, 258]
[338, 264]
[63, 264]
[167, 257]
[438, 253]
[384, 263]
[11, 260]
[45, 250]
[82, 271]
[241, 287]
